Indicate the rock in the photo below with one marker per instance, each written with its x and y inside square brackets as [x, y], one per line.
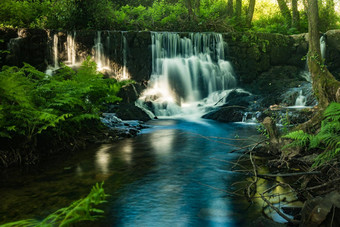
[239, 97]
[119, 128]
[305, 88]
[226, 114]
[131, 92]
[333, 52]
[318, 211]
[128, 111]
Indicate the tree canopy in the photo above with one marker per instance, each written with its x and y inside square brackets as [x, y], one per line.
[276, 16]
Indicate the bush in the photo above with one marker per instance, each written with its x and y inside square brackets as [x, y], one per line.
[31, 101]
[327, 139]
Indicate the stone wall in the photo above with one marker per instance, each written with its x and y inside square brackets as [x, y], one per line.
[264, 63]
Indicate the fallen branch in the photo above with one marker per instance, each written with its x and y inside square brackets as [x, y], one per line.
[275, 208]
[249, 145]
[255, 174]
[289, 174]
[322, 185]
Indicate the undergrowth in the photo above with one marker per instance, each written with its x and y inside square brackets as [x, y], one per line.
[327, 139]
[80, 210]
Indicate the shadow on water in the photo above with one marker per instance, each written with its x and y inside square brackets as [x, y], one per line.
[169, 175]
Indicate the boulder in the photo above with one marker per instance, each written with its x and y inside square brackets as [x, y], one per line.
[226, 114]
[128, 111]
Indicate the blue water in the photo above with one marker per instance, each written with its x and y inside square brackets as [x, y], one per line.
[172, 174]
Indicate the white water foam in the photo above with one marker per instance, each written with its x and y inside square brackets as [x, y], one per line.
[188, 73]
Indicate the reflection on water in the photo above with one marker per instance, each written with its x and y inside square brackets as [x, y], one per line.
[168, 176]
[103, 158]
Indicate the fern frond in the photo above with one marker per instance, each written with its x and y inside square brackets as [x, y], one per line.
[300, 139]
[332, 113]
[80, 210]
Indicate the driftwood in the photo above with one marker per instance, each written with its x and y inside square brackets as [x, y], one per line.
[275, 208]
[274, 135]
[289, 174]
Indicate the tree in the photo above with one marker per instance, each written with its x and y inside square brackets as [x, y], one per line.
[295, 15]
[238, 9]
[325, 86]
[250, 12]
[230, 8]
[285, 11]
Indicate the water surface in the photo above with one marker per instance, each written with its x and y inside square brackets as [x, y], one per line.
[169, 175]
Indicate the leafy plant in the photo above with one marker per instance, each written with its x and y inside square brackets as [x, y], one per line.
[32, 102]
[80, 210]
[327, 139]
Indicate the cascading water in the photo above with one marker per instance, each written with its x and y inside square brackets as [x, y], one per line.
[125, 74]
[300, 100]
[186, 71]
[55, 51]
[323, 46]
[103, 63]
[71, 49]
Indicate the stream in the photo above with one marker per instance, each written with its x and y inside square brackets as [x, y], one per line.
[172, 174]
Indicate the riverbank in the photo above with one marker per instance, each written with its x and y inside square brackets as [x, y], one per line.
[16, 153]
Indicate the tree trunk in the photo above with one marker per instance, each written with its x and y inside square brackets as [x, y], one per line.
[326, 88]
[296, 16]
[250, 13]
[230, 8]
[238, 9]
[189, 6]
[285, 12]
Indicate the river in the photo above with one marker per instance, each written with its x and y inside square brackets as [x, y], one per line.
[172, 174]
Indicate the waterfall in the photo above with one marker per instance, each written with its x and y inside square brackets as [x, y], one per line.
[300, 100]
[250, 117]
[103, 63]
[185, 71]
[71, 49]
[125, 74]
[323, 46]
[55, 51]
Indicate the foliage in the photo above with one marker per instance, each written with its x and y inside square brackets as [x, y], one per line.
[26, 13]
[32, 102]
[172, 15]
[327, 139]
[80, 210]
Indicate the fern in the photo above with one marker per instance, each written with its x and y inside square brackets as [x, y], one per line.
[80, 210]
[327, 139]
[31, 102]
[300, 139]
[332, 113]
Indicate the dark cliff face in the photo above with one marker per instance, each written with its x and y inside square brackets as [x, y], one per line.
[263, 62]
[26, 45]
[333, 52]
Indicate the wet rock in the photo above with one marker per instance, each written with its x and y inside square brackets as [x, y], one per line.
[333, 52]
[128, 111]
[120, 128]
[131, 92]
[238, 97]
[305, 89]
[226, 114]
